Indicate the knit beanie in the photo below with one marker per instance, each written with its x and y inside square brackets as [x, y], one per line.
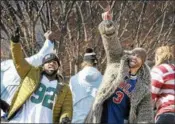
[141, 53]
[90, 56]
[49, 57]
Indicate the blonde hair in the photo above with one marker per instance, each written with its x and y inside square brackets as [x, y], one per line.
[164, 54]
[85, 63]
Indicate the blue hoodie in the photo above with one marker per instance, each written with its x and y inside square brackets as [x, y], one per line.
[84, 86]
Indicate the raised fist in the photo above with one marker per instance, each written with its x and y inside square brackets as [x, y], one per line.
[16, 36]
[50, 35]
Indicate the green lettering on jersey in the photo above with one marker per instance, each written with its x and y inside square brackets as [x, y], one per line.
[48, 99]
[40, 95]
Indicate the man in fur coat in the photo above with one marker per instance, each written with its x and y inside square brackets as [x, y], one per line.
[124, 95]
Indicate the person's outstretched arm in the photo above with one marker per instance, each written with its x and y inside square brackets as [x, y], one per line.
[48, 47]
[110, 40]
[21, 65]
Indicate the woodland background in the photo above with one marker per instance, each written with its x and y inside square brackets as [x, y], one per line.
[143, 23]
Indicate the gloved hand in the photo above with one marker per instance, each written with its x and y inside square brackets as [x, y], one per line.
[66, 120]
[16, 36]
[4, 106]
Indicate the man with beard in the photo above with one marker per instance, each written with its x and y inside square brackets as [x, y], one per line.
[124, 95]
[42, 97]
[10, 79]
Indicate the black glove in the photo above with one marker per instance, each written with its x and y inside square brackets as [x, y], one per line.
[15, 38]
[4, 106]
[66, 120]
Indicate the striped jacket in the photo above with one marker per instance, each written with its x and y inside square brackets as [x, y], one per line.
[30, 78]
[163, 88]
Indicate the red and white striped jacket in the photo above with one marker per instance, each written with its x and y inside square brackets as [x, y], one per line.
[163, 88]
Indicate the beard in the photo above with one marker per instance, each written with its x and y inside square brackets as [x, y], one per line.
[50, 73]
[134, 65]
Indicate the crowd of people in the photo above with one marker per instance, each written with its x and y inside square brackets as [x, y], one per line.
[34, 91]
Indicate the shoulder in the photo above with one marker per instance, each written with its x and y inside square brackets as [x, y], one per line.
[5, 65]
[73, 79]
[163, 68]
[146, 68]
[64, 86]
[36, 69]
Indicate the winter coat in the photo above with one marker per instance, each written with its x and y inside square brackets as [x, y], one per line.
[10, 79]
[141, 109]
[30, 78]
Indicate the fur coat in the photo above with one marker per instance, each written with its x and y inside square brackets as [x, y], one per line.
[141, 109]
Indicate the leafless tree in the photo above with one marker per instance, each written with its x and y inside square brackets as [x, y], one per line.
[147, 24]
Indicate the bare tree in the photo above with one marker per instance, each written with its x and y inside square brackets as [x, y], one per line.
[147, 24]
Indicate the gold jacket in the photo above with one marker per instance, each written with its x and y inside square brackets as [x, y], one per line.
[30, 79]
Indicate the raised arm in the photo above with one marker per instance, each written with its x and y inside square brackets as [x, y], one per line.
[48, 47]
[111, 43]
[21, 65]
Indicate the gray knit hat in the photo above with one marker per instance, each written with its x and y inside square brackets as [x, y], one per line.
[141, 52]
[49, 57]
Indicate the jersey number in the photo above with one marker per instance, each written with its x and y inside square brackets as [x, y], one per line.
[119, 97]
[48, 99]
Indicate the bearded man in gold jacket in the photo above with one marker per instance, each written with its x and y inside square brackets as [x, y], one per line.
[42, 97]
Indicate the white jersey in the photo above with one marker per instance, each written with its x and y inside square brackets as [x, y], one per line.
[38, 108]
[9, 77]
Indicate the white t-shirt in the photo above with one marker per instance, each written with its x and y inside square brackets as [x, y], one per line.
[38, 108]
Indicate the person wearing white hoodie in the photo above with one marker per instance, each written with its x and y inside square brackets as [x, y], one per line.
[84, 85]
[10, 79]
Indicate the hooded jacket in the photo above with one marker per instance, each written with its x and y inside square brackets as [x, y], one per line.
[84, 86]
[141, 109]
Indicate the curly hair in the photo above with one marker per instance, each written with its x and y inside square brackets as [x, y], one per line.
[164, 54]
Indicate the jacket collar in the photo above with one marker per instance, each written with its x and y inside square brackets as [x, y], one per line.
[142, 87]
